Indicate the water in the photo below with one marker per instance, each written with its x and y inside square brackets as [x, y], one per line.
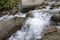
[33, 28]
[8, 17]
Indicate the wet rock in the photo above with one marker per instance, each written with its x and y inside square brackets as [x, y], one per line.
[8, 27]
[55, 5]
[50, 29]
[14, 10]
[4, 13]
[40, 7]
[52, 36]
[29, 15]
[27, 9]
[56, 19]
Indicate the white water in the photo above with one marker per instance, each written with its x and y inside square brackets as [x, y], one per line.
[33, 27]
[8, 17]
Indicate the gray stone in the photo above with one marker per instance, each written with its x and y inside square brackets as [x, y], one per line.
[8, 27]
[31, 2]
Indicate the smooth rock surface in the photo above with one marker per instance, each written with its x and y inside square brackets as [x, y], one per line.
[8, 27]
[31, 2]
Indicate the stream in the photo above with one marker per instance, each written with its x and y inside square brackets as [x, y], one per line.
[32, 28]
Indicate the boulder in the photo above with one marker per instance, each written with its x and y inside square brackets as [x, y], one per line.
[50, 29]
[31, 2]
[8, 27]
[56, 19]
[52, 36]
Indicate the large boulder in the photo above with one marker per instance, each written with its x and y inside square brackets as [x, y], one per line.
[52, 36]
[50, 29]
[52, 33]
[31, 2]
[8, 27]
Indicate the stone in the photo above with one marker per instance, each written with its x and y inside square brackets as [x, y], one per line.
[8, 27]
[4, 12]
[29, 15]
[40, 7]
[55, 18]
[26, 10]
[50, 29]
[31, 2]
[52, 36]
[13, 11]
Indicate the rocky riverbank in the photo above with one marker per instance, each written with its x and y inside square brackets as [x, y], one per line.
[10, 24]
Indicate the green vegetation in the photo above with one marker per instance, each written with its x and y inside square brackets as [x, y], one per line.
[7, 4]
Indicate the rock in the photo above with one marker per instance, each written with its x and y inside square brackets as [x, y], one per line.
[56, 18]
[40, 7]
[14, 10]
[29, 15]
[50, 29]
[52, 36]
[8, 27]
[26, 10]
[4, 12]
[26, 3]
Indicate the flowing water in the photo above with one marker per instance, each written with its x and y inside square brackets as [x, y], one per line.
[8, 17]
[33, 28]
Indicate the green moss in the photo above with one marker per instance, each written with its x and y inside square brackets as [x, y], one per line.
[7, 3]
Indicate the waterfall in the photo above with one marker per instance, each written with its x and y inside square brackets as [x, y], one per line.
[33, 28]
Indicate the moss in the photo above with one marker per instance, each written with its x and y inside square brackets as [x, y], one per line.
[4, 4]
